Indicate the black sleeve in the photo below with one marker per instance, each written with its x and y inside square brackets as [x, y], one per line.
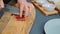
[6, 1]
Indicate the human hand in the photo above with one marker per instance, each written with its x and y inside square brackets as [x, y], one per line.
[26, 7]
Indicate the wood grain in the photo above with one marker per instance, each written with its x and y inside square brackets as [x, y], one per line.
[3, 21]
[20, 27]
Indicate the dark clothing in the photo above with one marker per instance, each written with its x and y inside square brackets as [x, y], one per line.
[7, 1]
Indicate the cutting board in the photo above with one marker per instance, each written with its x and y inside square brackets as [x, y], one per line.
[46, 13]
[19, 27]
[4, 21]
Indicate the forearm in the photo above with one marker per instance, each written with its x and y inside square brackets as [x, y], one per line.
[1, 4]
[1, 0]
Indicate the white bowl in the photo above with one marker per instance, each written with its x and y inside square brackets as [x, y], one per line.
[41, 2]
[49, 7]
[52, 26]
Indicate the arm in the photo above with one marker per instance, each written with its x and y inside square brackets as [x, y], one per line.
[1, 4]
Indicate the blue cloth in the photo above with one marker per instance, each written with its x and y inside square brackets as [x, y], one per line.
[41, 19]
[1, 14]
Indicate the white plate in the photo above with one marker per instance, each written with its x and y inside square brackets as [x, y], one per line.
[52, 26]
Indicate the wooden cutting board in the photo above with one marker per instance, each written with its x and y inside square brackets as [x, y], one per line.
[19, 27]
[46, 13]
[4, 21]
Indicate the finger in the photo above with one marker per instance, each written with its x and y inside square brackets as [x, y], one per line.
[21, 10]
[30, 6]
[29, 9]
[26, 10]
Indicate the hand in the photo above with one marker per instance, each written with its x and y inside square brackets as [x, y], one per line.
[25, 6]
[1, 4]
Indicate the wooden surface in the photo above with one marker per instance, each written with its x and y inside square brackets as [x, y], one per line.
[19, 27]
[44, 11]
[4, 21]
